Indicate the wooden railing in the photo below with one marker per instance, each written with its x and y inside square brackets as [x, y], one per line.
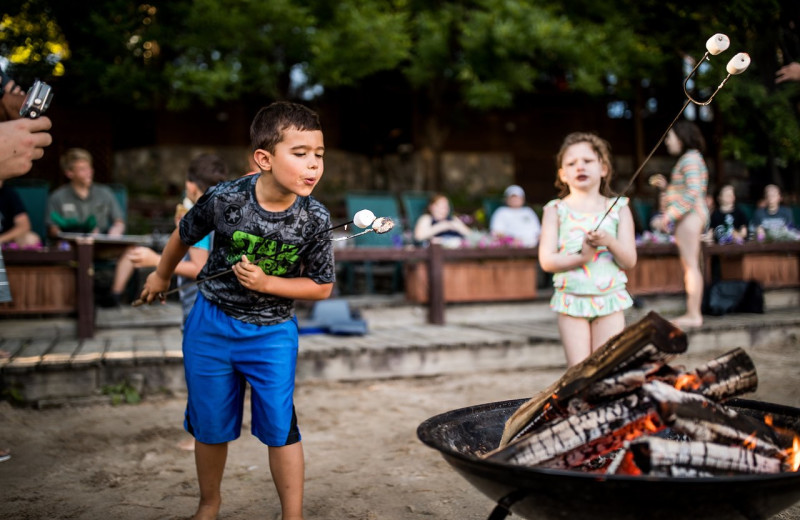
[52, 281]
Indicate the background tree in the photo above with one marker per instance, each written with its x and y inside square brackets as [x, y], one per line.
[452, 59]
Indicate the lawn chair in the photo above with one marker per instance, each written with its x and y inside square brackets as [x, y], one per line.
[33, 193]
[382, 204]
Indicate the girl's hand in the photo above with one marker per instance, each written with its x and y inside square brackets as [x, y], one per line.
[588, 250]
[658, 180]
[250, 275]
[598, 238]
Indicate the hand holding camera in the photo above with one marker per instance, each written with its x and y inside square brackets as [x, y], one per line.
[25, 135]
[15, 103]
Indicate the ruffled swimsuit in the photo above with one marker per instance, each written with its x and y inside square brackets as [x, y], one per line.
[598, 287]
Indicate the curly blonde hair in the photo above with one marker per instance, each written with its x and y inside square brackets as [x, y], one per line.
[603, 150]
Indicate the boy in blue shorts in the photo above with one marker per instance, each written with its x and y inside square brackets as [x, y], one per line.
[242, 328]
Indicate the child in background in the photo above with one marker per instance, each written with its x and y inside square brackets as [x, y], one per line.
[773, 221]
[728, 223]
[205, 171]
[242, 328]
[589, 281]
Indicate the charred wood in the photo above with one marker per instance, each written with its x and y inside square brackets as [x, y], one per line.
[652, 454]
[566, 434]
[651, 340]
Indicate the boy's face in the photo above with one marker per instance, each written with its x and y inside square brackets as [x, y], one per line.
[297, 163]
[81, 173]
[772, 195]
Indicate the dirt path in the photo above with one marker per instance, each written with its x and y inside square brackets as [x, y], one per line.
[362, 455]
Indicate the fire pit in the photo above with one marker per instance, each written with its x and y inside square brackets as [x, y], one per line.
[542, 493]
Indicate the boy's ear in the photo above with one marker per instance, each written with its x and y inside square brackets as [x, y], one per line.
[263, 160]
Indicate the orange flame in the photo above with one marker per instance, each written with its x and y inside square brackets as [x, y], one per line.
[688, 382]
[793, 455]
[750, 442]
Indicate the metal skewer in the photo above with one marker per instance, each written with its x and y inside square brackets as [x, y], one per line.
[379, 225]
[738, 64]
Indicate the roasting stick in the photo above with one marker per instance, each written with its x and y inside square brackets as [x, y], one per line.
[738, 64]
[362, 219]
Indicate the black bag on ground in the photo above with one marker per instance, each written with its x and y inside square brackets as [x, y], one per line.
[726, 296]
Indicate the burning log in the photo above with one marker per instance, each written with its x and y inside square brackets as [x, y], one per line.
[602, 414]
[652, 340]
[727, 376]
[653, 454]
[704, 420]
[559, 439]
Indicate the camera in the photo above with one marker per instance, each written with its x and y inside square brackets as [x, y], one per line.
[37, 100]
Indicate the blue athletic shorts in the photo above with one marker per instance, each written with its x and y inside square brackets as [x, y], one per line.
[220, 355]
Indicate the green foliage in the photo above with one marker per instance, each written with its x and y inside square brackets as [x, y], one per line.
[122, 393]
[481, 54]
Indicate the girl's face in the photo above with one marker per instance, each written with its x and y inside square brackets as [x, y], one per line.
[674, 146]
[439, 209]
[581, 168]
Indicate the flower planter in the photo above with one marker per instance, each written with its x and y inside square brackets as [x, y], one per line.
[476, 280]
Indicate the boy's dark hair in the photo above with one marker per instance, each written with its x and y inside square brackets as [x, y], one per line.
[207, 170]
[690, 136]
[267, 128]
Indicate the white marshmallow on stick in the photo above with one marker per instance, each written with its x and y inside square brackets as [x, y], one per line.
[738, 63]
[364, 218]
[718, 43]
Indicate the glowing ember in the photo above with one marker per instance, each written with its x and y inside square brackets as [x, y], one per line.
[688, 382]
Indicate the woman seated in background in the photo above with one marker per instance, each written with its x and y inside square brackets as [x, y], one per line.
[438, 224]
[728, 223]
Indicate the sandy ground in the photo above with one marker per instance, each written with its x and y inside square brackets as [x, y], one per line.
[363, 459]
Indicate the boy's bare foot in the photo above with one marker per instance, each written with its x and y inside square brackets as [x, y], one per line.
[206, 512]
[186, 444]
[687, 322]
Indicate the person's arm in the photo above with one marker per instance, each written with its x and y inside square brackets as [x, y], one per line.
[423, 228]
[22, 224]
[157, 282]
[117, 228]
[790, 72]
[252, 277]
[146, 257]
[22, 141]
[623, 246]
[550, 259]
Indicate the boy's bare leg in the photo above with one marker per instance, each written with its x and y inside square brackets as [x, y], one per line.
[210, 461]
[288, 472]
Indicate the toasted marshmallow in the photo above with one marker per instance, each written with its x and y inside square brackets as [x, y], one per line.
[738, 63]
[718, 43]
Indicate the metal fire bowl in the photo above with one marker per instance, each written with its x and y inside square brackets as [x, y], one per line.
[542, 494]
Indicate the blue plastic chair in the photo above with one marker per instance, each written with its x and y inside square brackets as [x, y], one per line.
[34, 193]
[490, 205]
[382, 204]
[121, 193]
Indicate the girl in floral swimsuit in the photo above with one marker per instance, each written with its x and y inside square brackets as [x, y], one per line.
[589, 264]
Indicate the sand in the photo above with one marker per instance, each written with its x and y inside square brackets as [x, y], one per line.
[363, 459]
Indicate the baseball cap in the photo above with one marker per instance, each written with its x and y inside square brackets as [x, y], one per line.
[514, 190]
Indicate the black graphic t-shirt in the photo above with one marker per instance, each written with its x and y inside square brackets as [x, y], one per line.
[283, 244]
